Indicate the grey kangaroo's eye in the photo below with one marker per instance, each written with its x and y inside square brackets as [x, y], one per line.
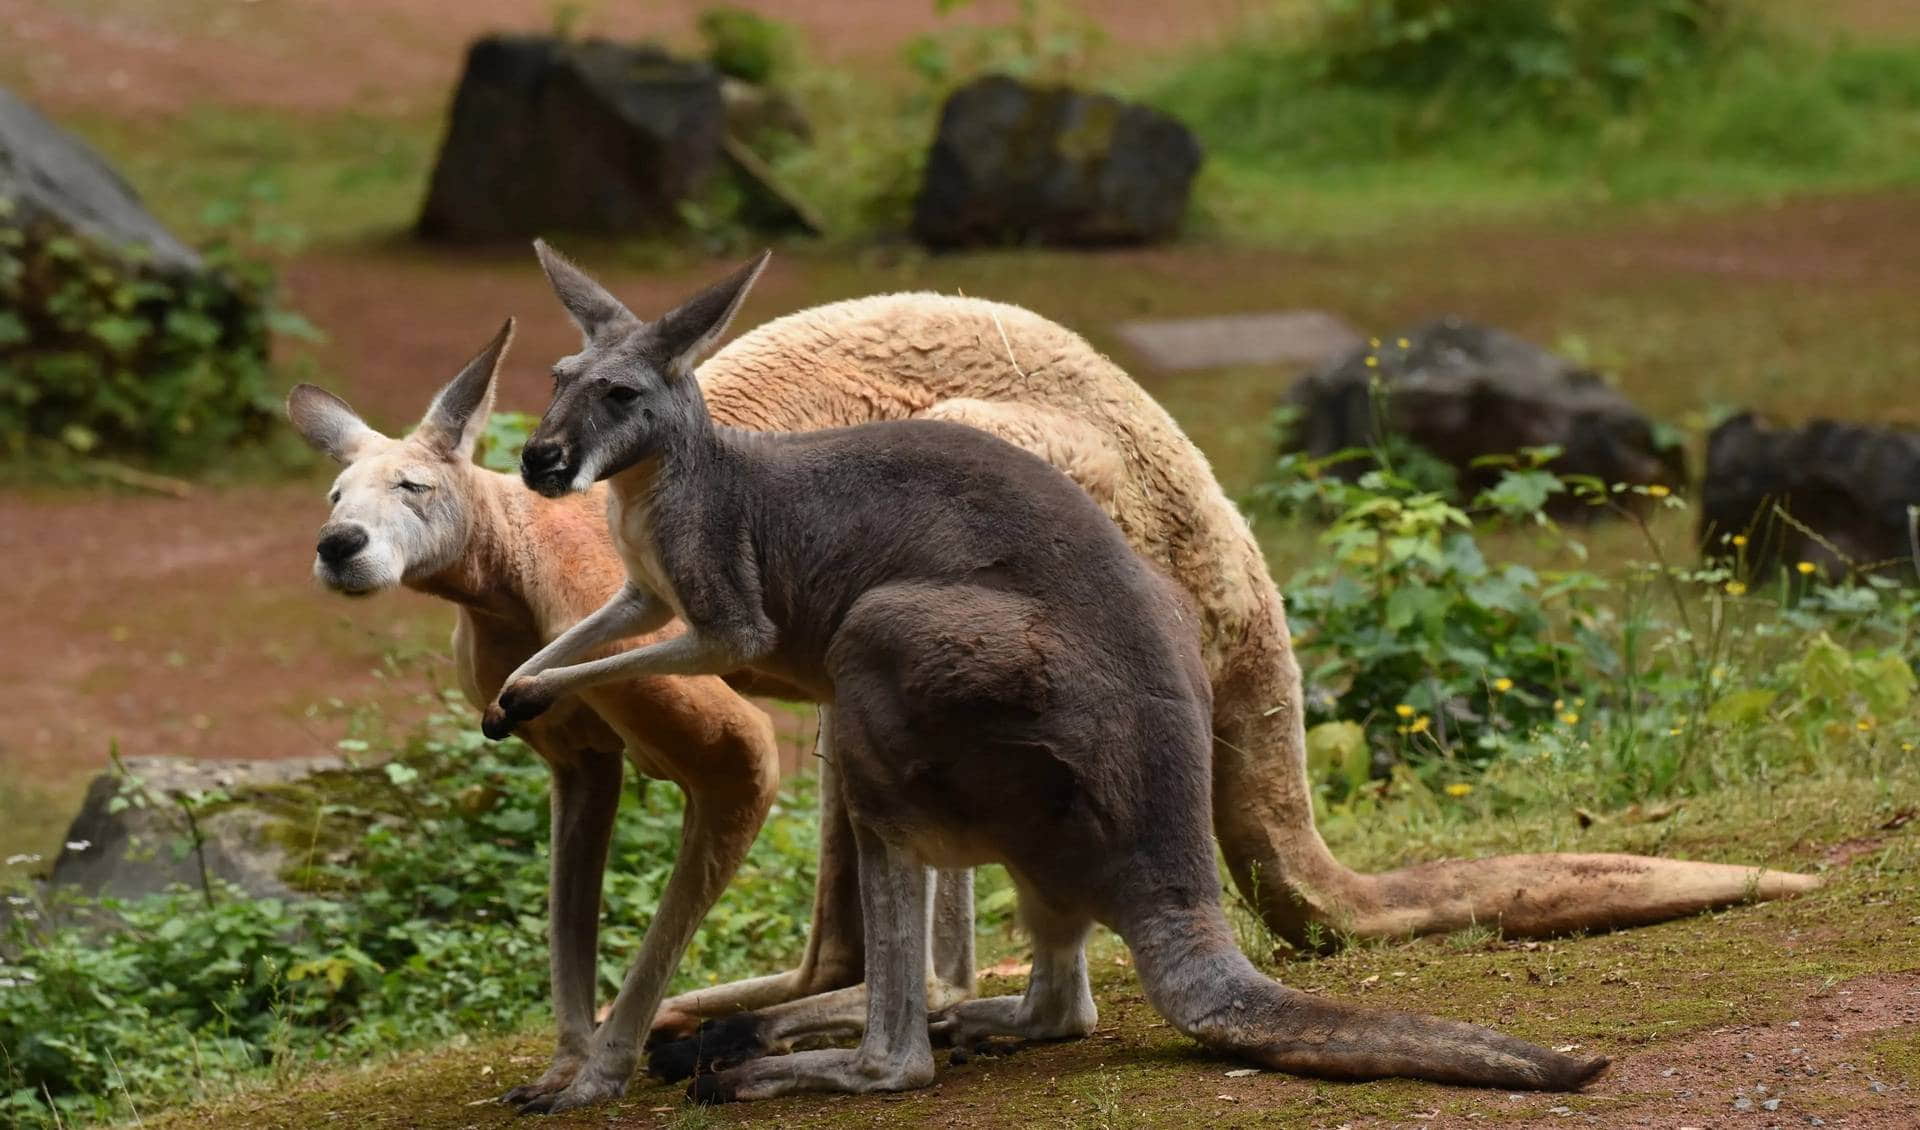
[623, 394]
[414, 488]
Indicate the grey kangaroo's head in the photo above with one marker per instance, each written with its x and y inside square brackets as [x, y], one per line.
[631, 386]
[402, 508]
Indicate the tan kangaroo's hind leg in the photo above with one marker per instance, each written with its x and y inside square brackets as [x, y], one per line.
[895, 1054]
[1263, 816]
[586, 795]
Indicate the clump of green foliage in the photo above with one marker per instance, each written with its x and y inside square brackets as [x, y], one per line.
[1427, 662]
[99, 355]
[1559, 56]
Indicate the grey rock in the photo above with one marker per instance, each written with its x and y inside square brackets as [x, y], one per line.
[1770, 1104]
[1853, 485]
[589, 137]
[132, 837]
[1743, 1104]
[1281, 337]
[1462, 390]
[1014, 163]
[52, 176]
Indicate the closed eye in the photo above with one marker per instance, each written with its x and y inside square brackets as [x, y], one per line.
[413, 487]
[623, 394]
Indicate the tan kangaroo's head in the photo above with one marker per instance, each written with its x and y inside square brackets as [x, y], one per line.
[402, 508]
[631, 385]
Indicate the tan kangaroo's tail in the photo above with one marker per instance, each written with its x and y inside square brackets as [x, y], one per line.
[1195, 977]
[1263, 816]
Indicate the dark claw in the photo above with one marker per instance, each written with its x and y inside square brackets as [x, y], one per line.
[716, 1046]
[494, 724]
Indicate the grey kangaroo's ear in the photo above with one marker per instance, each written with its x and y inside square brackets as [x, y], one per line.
[327, 423]
[685, 333]
[593, 309]
[458, 415]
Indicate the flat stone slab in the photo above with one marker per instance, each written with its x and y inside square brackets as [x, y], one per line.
[1280, 337]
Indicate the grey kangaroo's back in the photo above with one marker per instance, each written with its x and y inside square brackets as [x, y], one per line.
[1028, 690]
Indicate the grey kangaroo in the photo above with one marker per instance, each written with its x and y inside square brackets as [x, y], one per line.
[1004, 681]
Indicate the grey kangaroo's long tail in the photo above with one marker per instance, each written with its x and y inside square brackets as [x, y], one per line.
[1198, 980]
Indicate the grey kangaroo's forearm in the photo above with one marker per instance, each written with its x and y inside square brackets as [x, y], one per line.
[694, 653]
[631, 612]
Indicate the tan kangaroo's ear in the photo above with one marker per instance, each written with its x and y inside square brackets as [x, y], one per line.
[458, 415]
[593, 309]
[327, 423]
[687, 332]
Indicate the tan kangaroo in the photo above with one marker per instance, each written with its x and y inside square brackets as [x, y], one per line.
[1004, 680]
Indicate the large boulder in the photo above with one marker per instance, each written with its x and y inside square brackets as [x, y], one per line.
[550, 135]
[50, 178]
[1845, 497]
[1015, 163]
[1461, 391]
[133, 837]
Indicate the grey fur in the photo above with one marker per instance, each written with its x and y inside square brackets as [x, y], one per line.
[1009, 683]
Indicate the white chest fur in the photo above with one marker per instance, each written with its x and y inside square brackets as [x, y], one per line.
[631, 520]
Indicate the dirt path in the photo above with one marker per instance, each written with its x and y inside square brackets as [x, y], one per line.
[402, 56]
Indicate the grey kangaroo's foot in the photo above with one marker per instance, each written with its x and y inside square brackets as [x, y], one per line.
[834, 1069]
[729, 1041]
[555, 1079]
[595, 1082]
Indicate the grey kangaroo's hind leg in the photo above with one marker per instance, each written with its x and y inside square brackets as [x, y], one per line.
[1058, 1003]
[895, 1054]
[585, 796]
[729, 1041]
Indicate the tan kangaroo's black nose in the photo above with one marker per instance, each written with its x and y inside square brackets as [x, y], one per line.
[340, 543]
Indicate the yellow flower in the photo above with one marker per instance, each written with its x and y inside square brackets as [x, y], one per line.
[1503, 684]
[1906, 747]
[1739, 540]
[1569, 717]
[1736, 588]
[1805, 568]
[1674, 732]
[1863, 725]
[1559, 704]
[1659, 490]
[1419, 725]
[1373, 343]
[1403, 710]
[1373, 362]
[1459, 788]
[1404, 343]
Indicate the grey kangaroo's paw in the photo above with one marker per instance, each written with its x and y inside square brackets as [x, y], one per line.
[555, 1078]
[522, 701]
[715, 1046]
[831, 1070]
[582, 1092]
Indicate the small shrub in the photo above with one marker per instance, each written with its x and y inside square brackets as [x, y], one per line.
[747, 45]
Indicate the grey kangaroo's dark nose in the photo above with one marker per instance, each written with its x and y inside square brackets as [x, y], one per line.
[540, 457]
[338, 543]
